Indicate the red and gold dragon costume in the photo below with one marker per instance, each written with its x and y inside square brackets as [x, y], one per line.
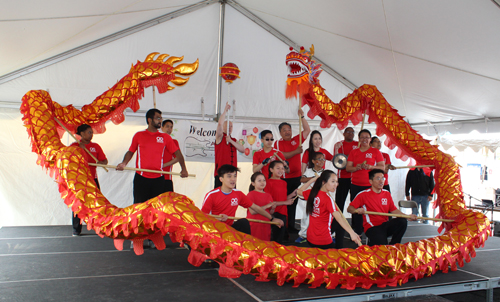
[236, 252]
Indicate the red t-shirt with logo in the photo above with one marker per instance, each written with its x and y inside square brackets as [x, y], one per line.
[217, 202]
[96, 150]
[167, 156]
[260, 230]
[320, 219]
[225, 154]
[345, 148]
[294, 161]
[150, 147]
[387, 161]
[277, 189]
[328, 156]
[372, 156]
[260, 156]
[376, 202]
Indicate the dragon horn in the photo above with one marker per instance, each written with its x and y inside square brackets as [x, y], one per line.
[187, 69]
[173, 60]
[179, 81]
[151, 56]
[161, 58]
[312, 50]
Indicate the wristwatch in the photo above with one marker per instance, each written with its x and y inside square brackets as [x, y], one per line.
[272, 217]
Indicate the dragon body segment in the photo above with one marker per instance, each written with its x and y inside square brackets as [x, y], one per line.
[236, 252]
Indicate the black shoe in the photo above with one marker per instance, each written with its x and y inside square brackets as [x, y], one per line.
[75, 234]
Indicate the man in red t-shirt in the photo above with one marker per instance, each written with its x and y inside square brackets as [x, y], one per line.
[167, 127]
[376, 199]
[225, 199]
[262, 158]
[225, 145]
[86, 134]
[343, 147]
[289, 146]
[150, 145]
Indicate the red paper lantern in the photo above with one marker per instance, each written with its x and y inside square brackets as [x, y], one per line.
[229, 72]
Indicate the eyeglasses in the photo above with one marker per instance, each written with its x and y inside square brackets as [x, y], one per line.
[320, 159]
[365, 138]
[269, 139]
[379, 178]
[349, 131]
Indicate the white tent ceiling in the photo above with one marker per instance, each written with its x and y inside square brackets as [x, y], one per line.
[435, 61]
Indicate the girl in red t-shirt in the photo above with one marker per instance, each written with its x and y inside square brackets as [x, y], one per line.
[264, 200]
[277, 188]
[315, 141]
[320, 208]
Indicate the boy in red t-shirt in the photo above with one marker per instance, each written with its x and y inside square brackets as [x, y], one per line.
[376, 199]
[225, 200]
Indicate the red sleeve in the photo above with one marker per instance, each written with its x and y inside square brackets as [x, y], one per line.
[387, 158]
[305, 157]
[328, 155]
[306, 194]
[378, 156]
[358, 202]
[256, 158]
[352, 155]
[135, 143]
[207, 204]
[330, 204]
[176, 144]
[245, 201]
[100, 154]
[169, 143]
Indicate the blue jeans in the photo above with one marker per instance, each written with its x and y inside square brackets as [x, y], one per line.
[423, 203]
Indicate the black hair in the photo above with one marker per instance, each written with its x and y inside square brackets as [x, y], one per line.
[252, 179]
[166, 121]
[271, 166]
[311, 147]
[373, 138]
[264, 133]
[284, 124]
[313, 156]
[151, 114]
[364, 131]
[323, 178]
[82, 128]
[224, 169]
[372, 173]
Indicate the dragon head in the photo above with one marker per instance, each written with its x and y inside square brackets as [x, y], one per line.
[303, 71]
[161, 70]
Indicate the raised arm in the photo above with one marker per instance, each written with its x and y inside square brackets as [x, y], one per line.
[305, 125]
[220, 130]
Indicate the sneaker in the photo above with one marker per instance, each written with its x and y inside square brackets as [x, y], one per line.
[75, 234]
[300, 240]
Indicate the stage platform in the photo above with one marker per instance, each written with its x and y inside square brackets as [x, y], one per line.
[46, 263]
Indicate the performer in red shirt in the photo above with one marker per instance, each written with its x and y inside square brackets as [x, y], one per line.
[264, 200]
[267, 154]
[167, 127]
[225, 200]
[359, 162]
[343, 147]
[290, 147]
[315, 142]
[321, 209]
[278, 190]
[375, 143]
[150, 145]
[225, 146]
[86, 134]
[376, 199]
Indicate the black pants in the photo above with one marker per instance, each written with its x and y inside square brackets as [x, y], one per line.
[147, 188]
[324, 247]
[396, 227]
[77, 223]
[340, 197]
[291, 185]
[357, 220]
[242, 225]
[169, 185]
[277, 233]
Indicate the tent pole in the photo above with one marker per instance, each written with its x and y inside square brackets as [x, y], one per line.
[218, 98]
